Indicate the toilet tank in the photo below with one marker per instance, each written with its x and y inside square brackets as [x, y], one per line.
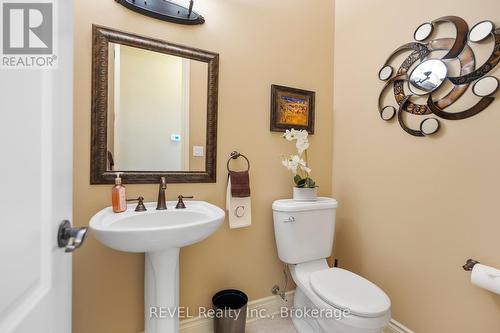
[304, 230]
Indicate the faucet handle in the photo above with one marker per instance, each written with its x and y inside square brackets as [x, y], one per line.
[163, 182]
[180, 202]
[140, 204]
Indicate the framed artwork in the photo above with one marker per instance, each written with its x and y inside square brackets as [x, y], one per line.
[292, 108]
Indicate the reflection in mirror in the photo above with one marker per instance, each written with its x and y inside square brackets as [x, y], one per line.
[385, 73]
[423, 32]
[388, 112]
[429, 126]
[157, 111]
[480, 31]
[429, 75]
[486, 86]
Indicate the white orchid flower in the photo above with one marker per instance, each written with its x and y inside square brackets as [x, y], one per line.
[286, 163]
[293, 162]
[291, 165]
[298, 160]
[301, 135]
[301, 146]
[293, 134]
[290, 135]
[303, 165]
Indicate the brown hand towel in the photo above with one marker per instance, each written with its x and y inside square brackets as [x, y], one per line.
[240, 184]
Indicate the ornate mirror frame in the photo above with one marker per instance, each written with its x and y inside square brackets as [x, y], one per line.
[99, 174]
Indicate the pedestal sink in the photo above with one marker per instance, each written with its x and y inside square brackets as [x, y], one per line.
[160, 234]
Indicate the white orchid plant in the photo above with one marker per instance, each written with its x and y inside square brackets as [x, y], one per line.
[297, 163]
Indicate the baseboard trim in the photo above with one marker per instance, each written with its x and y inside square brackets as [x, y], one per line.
[397, 327]
[270, 306]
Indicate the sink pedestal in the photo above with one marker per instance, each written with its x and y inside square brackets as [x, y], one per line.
[161, 291]
[160, 234]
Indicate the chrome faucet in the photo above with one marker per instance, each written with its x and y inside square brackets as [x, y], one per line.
[162, 201]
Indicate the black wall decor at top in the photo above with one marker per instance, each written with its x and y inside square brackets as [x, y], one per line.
[423, 74]
[165, 10]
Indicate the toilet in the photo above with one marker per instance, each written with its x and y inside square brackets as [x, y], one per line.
[329, 300]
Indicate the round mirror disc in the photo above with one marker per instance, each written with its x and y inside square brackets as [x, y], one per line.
[429, 126]
[423, 32]
[486, 86]
[480, 31]
[385, 73]
[429, 75]
[388, 112]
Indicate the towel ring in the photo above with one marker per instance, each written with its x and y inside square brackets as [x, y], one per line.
[234, 155]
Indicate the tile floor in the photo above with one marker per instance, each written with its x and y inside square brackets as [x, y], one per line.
[276, 325]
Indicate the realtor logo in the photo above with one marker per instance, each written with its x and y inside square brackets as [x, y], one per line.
[27, 34]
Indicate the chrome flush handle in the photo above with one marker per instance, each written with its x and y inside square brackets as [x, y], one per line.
[289, 219]
[70, 238]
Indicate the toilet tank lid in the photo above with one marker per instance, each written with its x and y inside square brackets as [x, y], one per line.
[290, 205]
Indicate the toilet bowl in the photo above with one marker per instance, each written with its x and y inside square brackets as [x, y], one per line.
[329, 300]
[352, 303]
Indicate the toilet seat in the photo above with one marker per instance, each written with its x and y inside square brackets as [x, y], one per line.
[348, 291]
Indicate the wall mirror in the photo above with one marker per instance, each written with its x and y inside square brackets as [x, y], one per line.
[154, 110]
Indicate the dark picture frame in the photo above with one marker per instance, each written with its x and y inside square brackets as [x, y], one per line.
[292, 108]
[99, 173]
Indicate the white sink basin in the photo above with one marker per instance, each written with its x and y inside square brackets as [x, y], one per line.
[156, 230]
[160, 234]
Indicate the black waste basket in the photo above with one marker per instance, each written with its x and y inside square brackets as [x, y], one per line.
[231, 311]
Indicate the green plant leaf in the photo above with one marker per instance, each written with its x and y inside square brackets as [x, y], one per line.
[310, 183]
[301, 182]
[296, 179]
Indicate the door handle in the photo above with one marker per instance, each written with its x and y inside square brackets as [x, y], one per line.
[70, 238]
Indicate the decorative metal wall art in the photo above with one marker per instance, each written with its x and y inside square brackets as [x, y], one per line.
[422, 74]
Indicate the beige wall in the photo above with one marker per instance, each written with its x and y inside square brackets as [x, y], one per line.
[198, 83]
[412, 210]
[260, 42]
[151, 109]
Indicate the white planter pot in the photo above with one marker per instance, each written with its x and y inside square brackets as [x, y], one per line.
[305, 194]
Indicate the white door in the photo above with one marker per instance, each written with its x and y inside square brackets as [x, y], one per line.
[36, 190]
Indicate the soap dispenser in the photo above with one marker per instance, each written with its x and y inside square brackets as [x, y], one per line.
[119, 195]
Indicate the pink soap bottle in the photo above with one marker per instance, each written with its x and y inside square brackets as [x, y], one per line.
[119, 195]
